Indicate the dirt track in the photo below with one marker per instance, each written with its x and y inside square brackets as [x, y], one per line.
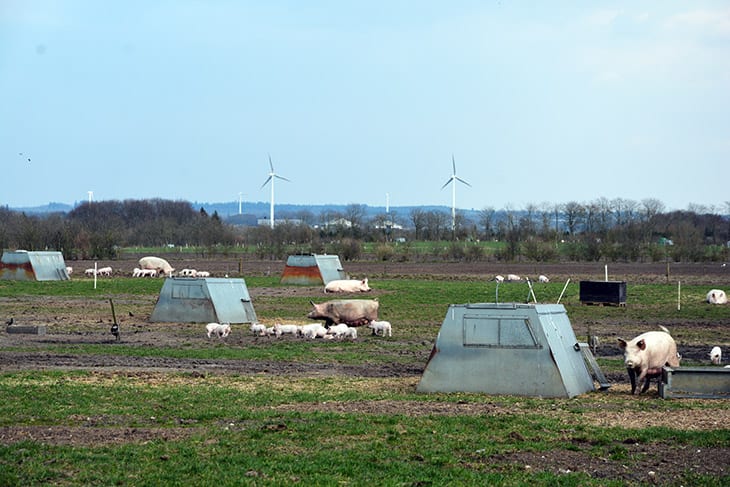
[703, 273]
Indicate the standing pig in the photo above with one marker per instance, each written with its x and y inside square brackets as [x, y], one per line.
[716, 355]
[647, 354]
[347, 286]
[353, 312]
[156, 263]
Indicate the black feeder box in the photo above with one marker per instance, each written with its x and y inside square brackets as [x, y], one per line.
[603, 292]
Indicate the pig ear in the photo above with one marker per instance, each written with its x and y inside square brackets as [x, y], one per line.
[622, 343]
[641, 344]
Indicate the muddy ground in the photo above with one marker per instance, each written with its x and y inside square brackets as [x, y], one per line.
[74, 321]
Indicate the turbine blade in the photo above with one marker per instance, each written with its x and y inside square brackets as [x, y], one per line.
[453, 163]
[447, 182]
[461, 180]
[281, 177]
[266, 182]
[271, 164]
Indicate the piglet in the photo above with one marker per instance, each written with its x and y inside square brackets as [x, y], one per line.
[716, 355]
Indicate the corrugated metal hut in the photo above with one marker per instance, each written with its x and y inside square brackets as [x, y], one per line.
[23, 265]
[311, 270]
[204, 300]
[511, 348]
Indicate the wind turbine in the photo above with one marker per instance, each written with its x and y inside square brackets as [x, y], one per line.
[272, 177]
[452, 180]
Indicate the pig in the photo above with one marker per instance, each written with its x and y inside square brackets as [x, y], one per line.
[716, 355]
[280, 329]
[104, 271]
[313, 330]
[647, 354]
[353, 312]
[381, 328]
[716, 296]
[156, 263]
[220, 329]
[347, 286]
[258, 329]
[338, 331]
[543, 278]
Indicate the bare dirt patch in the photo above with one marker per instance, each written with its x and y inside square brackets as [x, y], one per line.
[632, 462]
[90, 435]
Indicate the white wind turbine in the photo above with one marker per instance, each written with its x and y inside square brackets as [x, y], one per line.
[452, 180]
[272, 177]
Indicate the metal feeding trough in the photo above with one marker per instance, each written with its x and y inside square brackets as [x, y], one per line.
[695, 382]
[511, 348]
[603, 292]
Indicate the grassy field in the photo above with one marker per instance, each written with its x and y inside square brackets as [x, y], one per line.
[140, 426]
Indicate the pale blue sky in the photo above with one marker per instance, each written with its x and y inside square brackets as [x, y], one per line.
[563, 101]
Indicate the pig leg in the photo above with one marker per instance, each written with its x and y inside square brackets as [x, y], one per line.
[654, 373]
[643, 376]
[647, 383]
[632, 378]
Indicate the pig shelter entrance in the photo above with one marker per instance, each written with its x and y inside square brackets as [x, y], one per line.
[22, 265]
[204, 300]
[312, 270]
[510, 348]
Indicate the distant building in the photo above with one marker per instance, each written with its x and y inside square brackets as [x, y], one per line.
[244, 220]
[279, 221]
[339, 222]
[389, 225]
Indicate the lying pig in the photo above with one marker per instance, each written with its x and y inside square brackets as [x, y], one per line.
[347, 286]
[647, 354]
[716, 296]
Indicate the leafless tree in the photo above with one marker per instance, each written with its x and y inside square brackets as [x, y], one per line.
[486, 220]
[574, 213]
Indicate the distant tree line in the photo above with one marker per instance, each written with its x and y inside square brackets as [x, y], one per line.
[99, 229]
[610, 230]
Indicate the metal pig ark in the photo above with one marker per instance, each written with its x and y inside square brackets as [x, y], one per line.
[511, 348]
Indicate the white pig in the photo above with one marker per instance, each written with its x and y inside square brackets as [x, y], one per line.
[716, 296]
[220, 329]
[347, 286]
[716, 355]
[647, 354]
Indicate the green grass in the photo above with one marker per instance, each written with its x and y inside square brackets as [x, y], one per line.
[269, 430]
[155, 428]
[81, 287]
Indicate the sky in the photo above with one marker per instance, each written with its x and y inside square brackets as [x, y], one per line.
[365, 102]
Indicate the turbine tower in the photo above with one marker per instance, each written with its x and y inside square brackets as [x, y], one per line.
[452, 180]
[272, 177]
